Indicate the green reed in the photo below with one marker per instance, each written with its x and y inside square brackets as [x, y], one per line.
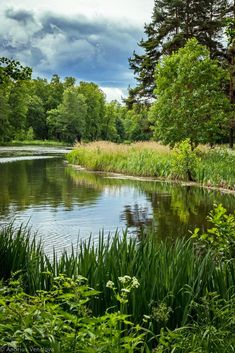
[213, 167]
[171, 275]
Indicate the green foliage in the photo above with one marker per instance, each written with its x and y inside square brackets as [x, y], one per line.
[211, 167]
[52, 143]
[170, 275]
[135, 159]
[185, 161]
[137, 125]
[5, 128]
[185, 296]
[172, 24]
[66, 122]
[30, 134]
[20, 251]
[60, 320]
[95, 101]
[113, 125]
[221, 236]
[36, 117]
[230, 29]
[215, 168]
[191, 102]
[13, 70]
[213, 332]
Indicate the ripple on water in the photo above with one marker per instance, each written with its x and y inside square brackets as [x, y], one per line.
[22, 158]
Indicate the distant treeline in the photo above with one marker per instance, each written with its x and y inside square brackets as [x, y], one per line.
[185, 86]
[63, 111]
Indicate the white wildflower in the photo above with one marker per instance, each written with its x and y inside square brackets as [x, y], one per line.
[110, 284]
[125, 279]
[135, 282]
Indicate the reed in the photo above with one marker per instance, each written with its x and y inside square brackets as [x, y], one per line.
[170, 274]
[21, 251]
[214, 167]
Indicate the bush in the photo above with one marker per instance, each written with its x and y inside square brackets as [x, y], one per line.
[60, 321]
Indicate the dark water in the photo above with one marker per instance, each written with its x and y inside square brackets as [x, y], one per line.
[61, 202]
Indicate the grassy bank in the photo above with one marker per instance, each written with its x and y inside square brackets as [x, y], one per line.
[36, 143]
[184, 300]
[211, 167]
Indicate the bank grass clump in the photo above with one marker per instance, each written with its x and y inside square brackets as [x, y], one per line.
[209, 167]
[143, 158]
[216, 168]
[31, 142]
[137, 294]
[21, 250]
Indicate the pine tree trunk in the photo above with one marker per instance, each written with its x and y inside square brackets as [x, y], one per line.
[232, 82]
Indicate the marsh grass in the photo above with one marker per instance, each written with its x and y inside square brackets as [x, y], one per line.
[214, 167]
[20, 251]
[37, 143]
[171, 275]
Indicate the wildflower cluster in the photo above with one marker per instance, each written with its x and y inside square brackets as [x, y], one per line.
[127, 283]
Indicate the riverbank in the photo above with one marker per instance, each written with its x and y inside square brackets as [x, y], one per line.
[213, 168]
[49, 143]
[170, 291]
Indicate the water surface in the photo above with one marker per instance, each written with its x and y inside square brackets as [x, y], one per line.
[37, 187]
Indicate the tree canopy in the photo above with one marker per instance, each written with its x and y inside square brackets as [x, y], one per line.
[173, 23]
[190, 101]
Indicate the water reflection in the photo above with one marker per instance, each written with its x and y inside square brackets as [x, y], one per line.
[62, 202]
[172, 209]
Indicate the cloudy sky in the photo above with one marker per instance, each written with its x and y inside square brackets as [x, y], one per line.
[88, 39]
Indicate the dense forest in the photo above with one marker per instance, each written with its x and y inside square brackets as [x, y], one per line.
[185, 86]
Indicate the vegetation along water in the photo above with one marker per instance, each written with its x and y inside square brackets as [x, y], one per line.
[127, 243]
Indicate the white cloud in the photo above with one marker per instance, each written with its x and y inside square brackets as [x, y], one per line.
[137, 11]
[113, 93]
[88, 39]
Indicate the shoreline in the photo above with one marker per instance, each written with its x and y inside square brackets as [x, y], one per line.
[115, 175]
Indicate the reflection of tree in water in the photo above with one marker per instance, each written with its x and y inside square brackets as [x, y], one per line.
[136, 216]
[172, 209]
[175, 208]
[40, 182]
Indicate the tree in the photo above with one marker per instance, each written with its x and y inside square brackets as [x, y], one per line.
[190, 102]
[137, 125]
[112, 128]
[231, 62]
[5, 130]
[95, 101]
[67, 122]
[13, 70]
[12, 105]
[36, 117]
[173, 23]
[18, 103]
[55, 94]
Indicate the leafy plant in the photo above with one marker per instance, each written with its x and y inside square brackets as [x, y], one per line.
[212, 332]
[59, 320]
[221, 236]
[186, 160]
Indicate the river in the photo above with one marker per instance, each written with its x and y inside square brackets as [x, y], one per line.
[63, 204]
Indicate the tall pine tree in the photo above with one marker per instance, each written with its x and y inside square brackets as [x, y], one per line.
[173, 23]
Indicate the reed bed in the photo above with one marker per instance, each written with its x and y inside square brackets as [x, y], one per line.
[170, 274]
[214, 167]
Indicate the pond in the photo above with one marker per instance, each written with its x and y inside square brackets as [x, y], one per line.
[63, 203]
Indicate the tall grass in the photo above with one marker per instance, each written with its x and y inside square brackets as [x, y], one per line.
[215, 167]
[37, 143]
[19, 251]
[172, 274]
[143, 159]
